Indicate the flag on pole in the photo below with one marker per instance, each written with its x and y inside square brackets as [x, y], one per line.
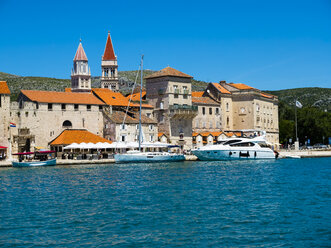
[12, 124]
[298, 104]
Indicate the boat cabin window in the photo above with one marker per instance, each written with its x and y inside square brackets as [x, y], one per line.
[232, 141]
[243, 144]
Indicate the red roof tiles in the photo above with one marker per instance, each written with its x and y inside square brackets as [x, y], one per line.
[61, 97]
[115, 98]
[220, 88]
[136, 96]
[109, 50]
[80, 54]
[70, 136]
[4, 88]
[241, 86]
[197, 93]
[204, 100]
[168, 71]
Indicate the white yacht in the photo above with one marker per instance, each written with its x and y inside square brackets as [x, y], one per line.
[136, 156]
[141, 156]
[235, 149]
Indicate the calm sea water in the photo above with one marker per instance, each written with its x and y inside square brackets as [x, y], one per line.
[283, 203]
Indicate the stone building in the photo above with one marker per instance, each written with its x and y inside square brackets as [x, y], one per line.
[42, 115]
[209, 113]
[253, 109]
[80, 73]
[109, 73]
[218, 93]
[123, 127]
[241, 109]
[4, 114]
[169, 92]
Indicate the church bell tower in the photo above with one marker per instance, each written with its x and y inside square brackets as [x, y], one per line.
[80, 73]
[109, 77]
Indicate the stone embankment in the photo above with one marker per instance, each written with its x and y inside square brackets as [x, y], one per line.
[304, 153]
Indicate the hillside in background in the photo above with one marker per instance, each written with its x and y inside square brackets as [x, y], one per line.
[312, 97]
[17, 83]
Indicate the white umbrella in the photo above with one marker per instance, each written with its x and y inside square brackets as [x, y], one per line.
[90, 146]
[71, 146]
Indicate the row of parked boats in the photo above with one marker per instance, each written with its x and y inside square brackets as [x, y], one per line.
[228, 149]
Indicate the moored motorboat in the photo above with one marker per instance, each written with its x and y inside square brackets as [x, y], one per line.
[33, 159]
[234, 149]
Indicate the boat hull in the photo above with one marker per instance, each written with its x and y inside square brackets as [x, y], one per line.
[35, 163]
[215, 155]
[142, 158]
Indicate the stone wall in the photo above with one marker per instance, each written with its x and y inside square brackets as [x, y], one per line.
[4, 120]
[46, 124]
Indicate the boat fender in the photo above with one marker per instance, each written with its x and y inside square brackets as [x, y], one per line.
[255, 154]
[230, 153]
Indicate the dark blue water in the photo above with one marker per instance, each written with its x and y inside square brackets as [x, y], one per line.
[284, 203]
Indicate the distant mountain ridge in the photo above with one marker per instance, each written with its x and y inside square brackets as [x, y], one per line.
[310, 96]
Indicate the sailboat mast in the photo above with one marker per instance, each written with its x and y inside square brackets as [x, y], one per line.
[141, 92]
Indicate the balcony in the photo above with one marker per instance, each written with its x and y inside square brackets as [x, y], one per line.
[183, 111]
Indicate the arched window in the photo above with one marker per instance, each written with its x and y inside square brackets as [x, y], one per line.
[67, 124]
[227, 106]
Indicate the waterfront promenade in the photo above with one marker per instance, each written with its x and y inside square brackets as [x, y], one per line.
[282, 154]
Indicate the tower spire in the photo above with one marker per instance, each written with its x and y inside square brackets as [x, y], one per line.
[109, 50]
[109, 77]
[80, 53]
[80, 74]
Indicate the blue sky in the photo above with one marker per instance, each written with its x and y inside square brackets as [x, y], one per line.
[266, 44]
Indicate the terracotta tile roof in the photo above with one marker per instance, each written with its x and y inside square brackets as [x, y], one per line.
[115, 98]
[241, 86]
[109, 50]
[110, 97]
[204, 100]
[136, 96]
[205, 134]
[197, 93]
[230, 134]
[266, 95]
[168, 71]
[80, 54]
[67, 90]
[61, 97]
[195, 134]
[161, 134]
[70, 136]
[4, 88]
[216, 134]
[131, 118]
[220, 88]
